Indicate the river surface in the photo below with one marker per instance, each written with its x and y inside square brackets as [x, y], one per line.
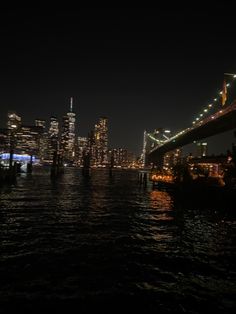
[105, 243]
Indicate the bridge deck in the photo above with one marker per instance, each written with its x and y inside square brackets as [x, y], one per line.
[222, 121]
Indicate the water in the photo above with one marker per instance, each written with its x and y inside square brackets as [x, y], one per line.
[106, 244]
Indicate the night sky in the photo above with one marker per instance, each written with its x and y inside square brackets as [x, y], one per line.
[142, 68]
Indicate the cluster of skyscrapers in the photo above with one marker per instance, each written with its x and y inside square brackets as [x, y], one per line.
[60, 138]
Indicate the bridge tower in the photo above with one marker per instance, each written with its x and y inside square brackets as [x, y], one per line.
[144, 153]
[153, 140]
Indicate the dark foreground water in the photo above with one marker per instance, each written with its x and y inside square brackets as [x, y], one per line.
[108, 245]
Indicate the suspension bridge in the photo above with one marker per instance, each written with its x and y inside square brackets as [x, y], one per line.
[205, 125]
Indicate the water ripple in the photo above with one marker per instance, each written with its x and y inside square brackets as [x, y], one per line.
[87, 240]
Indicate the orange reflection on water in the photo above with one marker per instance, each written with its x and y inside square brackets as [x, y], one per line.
[161, 201]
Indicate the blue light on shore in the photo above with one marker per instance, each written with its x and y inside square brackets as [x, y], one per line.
[17, 157]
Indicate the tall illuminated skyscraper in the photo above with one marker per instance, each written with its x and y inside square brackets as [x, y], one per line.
[13, 125]
[68, 135]
[53, 127]
[43, 139]
[53, 137]
[101, 142]
[83, 148]
[13, 121]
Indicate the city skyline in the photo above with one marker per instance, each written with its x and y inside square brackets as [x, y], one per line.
[142, 68]
[118, 158]
[227, 138]
[56, 141]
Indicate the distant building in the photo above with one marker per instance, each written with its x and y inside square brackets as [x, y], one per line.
[29, 140]
[40, 122]
[201, 149]
[83, 148]
[4, 140]
[23, 139]
[53, 138]
[43, 140]
[68, 135]
[100, 143]
[121, 158]
[13, 121]
[172, 158]
[53, 127]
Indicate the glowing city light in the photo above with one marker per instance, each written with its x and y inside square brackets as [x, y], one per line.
[19, 157]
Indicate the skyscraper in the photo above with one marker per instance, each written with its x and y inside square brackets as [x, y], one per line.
[13, 121]
[101, 142]
[13, 125]
[53, 138]
[53, 127]
[83, 148]
[43, 139]
[68, 135]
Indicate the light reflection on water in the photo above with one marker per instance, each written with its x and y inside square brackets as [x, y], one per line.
[106, 238]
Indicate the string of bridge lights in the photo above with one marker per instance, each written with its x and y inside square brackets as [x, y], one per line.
[197, 120]
[215, 100]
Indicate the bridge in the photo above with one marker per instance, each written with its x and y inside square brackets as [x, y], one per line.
[218, 122]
